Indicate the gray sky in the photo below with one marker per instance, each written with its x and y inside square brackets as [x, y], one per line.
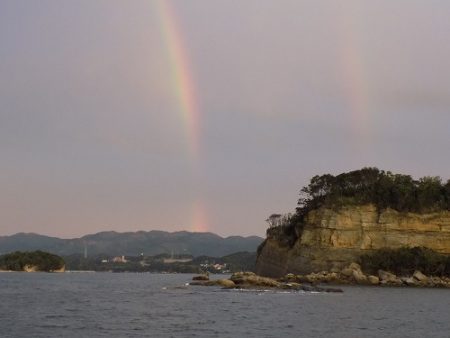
[92, 137]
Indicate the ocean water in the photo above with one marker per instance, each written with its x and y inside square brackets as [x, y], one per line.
[158, 305]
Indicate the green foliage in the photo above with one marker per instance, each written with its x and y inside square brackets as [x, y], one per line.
[405, 261]
[371, 185]
[43, 261]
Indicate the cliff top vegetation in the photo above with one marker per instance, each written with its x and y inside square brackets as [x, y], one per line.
[373, 186]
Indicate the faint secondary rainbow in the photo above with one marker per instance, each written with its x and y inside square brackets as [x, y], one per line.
[186, 96]
[354, 72]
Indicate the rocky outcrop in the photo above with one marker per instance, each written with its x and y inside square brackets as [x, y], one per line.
[201, 277]
[353, 275]
[331, 239]
[30, 268]
[249, 280]
[62, 269]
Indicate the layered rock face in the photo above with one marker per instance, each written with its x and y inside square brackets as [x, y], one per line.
[331, 239]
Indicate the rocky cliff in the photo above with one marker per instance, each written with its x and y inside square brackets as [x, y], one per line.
[331, 239]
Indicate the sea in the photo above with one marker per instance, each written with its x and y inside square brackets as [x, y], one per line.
[162, 305]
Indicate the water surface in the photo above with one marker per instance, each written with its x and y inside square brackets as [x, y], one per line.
[158, 305]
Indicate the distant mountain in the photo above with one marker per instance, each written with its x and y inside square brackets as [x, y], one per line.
[133, 243]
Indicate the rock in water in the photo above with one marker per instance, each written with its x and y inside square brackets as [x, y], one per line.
[249, 279]
[201, 277]
[225, 283]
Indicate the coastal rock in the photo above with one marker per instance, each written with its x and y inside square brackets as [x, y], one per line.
[30, 268]
[201, 277]
[360, 277]
[374, 280]
[330, 277]
[355, 266]
[251, 279]
[410, 281]
[420, 277]
[436, 282]
[62, 269]
[353, 273]
[225, 283]
[347, 272]
[389, 278]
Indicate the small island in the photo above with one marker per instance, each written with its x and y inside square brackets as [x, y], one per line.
[35, 261]
[366, 226]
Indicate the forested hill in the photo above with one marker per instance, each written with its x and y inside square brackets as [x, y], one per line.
[133, 243]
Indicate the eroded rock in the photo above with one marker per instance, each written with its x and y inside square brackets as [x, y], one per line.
[389, 278]
[420, 277]
[374, 280]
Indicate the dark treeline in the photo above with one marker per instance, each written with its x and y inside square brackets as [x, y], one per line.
[381, 188]
[239, 261]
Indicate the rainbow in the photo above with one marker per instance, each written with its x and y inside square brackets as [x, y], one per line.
[186, 95]
[181, 74]
[354, 73]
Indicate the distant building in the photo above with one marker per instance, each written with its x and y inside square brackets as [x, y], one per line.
[219, 266]
[119, 259]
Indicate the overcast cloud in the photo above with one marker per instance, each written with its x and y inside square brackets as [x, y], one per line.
[91, 140]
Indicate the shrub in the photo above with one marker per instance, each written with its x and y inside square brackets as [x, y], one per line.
[404, 261]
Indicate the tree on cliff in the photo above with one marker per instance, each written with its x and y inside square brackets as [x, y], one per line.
[276, 220]
[273, 220]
